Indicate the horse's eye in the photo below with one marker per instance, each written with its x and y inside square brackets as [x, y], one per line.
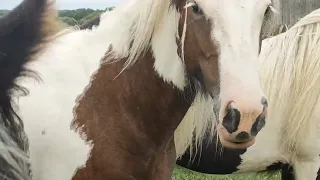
[196, 9]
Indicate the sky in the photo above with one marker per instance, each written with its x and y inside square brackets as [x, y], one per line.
[69, 4]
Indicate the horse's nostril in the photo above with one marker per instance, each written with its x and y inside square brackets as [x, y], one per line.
[258, 124]
[232, 119]
[264, 101]
[242, 136]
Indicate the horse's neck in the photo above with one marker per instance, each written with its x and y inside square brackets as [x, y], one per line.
[136, 113]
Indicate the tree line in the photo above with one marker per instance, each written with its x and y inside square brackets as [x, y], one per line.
[73, 17]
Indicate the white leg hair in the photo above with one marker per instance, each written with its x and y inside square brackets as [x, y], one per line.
[306, 169]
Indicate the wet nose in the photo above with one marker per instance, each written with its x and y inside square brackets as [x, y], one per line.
[255, 118]
[232, 119]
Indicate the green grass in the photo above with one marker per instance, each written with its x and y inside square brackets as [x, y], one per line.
[184, 174]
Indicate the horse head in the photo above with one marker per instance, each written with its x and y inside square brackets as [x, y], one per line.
[220, 42]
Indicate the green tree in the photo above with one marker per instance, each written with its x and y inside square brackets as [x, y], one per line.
[74, 17]
[69, 21]
[3, 12]
[77, 14]
[90, 17]
[110, 8]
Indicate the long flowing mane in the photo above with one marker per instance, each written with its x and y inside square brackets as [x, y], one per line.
[133, 26]
[291, 76]
[200, 121]
[136, 27]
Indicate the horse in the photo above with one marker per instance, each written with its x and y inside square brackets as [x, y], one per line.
[24, 33]
[290, 140]
[111, 97]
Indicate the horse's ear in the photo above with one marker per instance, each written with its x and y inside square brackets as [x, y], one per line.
[23, 33]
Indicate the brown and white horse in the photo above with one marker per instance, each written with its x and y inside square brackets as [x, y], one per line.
[290, 141]
[137, 74]
[24, 32]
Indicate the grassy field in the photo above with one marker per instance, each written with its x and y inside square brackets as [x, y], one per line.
[184, 174]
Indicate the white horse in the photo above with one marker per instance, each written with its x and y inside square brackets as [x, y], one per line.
[169, 32]
[290, 77]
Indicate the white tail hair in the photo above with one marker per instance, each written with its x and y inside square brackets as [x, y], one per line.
[291, 80]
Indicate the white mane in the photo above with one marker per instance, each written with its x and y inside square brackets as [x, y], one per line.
[291, 76]
[133, 23]
[199, 123]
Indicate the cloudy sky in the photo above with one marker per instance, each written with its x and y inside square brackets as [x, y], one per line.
[69, 4]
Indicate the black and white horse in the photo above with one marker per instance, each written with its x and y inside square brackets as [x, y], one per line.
[290, 140]
[24, 32]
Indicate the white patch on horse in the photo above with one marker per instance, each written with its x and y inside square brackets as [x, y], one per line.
[167, 62]
[65, 69]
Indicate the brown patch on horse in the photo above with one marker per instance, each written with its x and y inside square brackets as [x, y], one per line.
[205, 66]
[131, 121]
